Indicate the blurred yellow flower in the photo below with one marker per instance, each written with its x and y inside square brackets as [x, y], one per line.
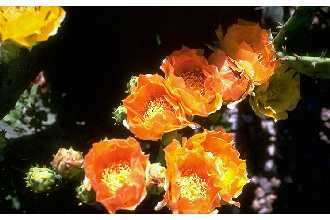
[29, 25]
[279, 95]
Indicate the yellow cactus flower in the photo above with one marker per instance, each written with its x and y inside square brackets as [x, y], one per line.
[191, 181]
[279, 95]
[232, 171]
[29, 25]
[202, 172]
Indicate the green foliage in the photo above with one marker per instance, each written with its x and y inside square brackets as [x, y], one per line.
[9, 51]
[219, 118]
[298, 23]
[3, 141]
[29, 112]
[315, 67]
[15, 203]
[18, 66]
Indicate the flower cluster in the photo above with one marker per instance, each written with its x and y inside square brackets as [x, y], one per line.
[192, 85]
[201, 172]
[204, 171]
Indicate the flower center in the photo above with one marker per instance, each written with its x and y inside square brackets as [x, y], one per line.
[194, 79]
[155, 107]
[116, 176]
[192, 187]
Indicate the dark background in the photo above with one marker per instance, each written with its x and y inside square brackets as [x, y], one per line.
[94, 54]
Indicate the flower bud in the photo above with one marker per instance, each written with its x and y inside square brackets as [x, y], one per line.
[41, 179]
[156, 178]
[119, 114]
[68, 163]
[278, 96]
[132, 84]
[85, 193]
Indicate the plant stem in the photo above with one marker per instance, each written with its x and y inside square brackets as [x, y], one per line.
[316, 67]
[299, 20]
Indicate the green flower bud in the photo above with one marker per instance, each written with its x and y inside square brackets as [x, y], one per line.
[68, 163]
[131, 84]
[119, 114]
[41, 179]
[85, 193]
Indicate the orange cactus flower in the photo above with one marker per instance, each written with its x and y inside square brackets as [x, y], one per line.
[231, 169]
[193, 81]
[250, 45]
[151, 110]
[116, 169]
[191, 180]
[236, 84]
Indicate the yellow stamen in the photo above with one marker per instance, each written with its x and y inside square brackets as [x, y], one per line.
[192, 187]
[116, 176]
[155, 107]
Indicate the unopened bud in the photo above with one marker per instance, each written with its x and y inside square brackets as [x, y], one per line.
[41, 179]
[85, 193]
[119, 114]
[132, 84]
[156, 178]
[68, 163]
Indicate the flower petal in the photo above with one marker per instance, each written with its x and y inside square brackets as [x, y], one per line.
[29, 25]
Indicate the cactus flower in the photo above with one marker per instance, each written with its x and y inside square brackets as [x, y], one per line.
[231, 169]
[193, 81]
[202, 173]
[235, 82]
[250, 45]
[29, 25]
[191, 180]
[117, 171]
[151, 110]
